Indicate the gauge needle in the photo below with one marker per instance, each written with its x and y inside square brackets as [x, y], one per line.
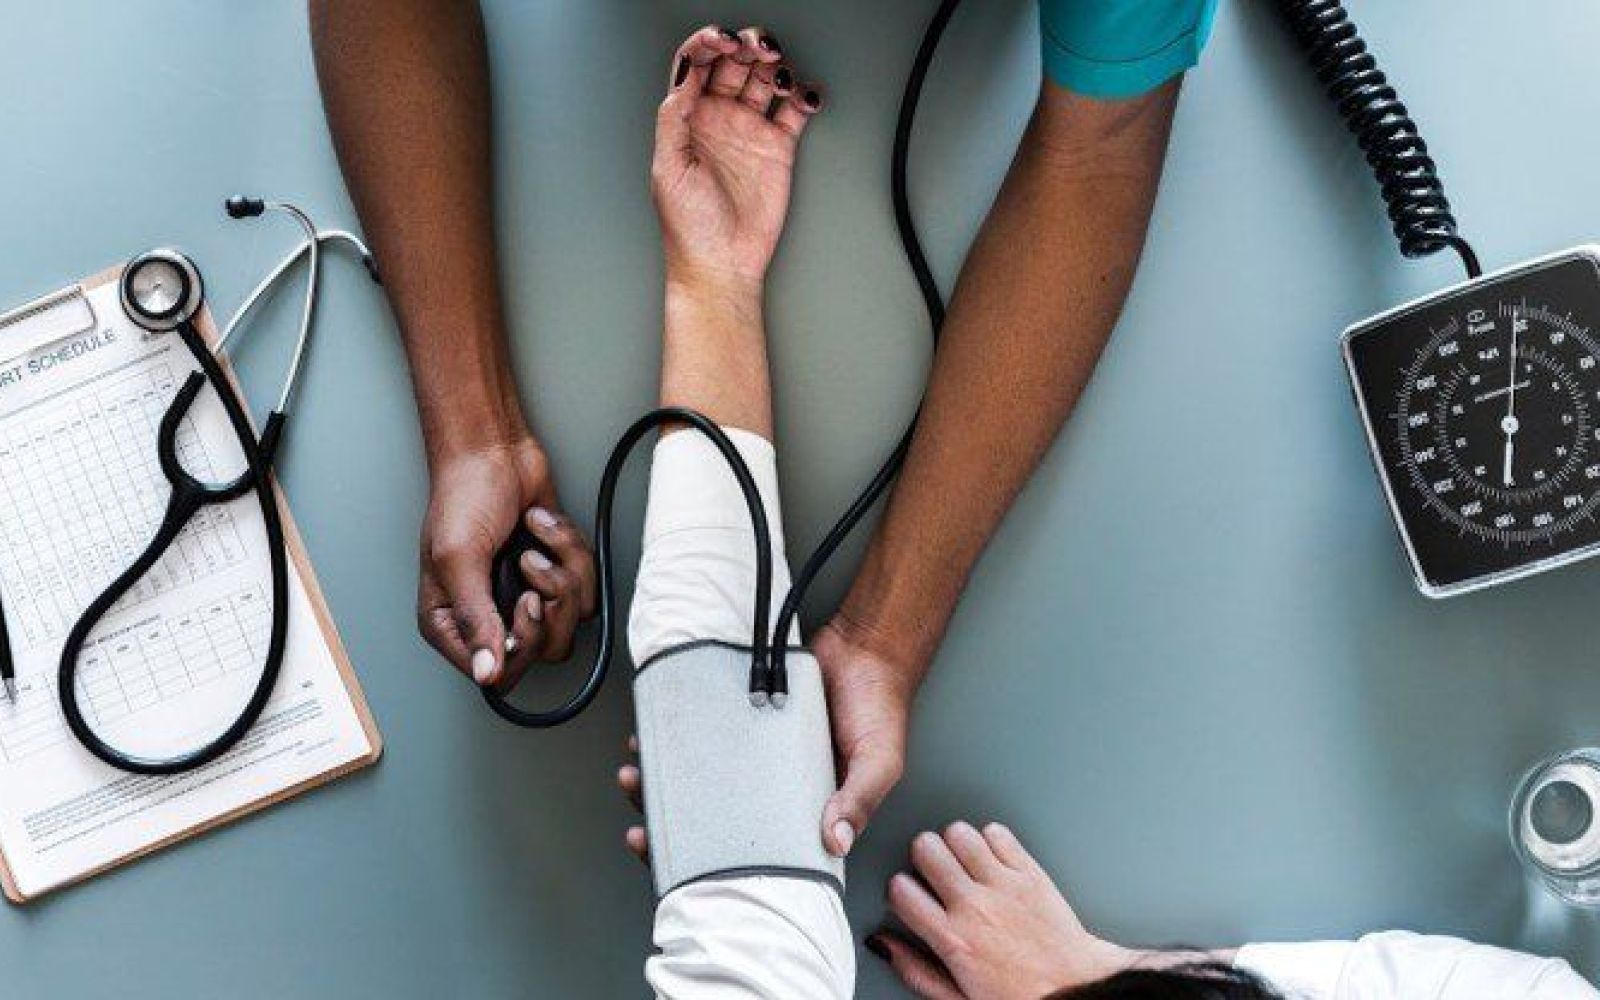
[1509, 423]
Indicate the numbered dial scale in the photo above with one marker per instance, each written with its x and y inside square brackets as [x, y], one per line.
[1482, 410]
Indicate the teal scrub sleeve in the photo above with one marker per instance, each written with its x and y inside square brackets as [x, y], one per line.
[1121, 48]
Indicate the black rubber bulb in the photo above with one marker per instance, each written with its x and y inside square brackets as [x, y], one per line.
[505, 576]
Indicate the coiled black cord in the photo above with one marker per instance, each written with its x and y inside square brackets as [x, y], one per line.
[932, 300]
[1384, 129]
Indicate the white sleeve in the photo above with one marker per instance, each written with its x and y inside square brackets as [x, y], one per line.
[1309, 971]
[778, 938]
[1399, 964]
[761, 936]
[697, 574]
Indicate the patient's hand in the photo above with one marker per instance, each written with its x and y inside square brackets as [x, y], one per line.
[631, 780]
[991, 921]
[725, 146]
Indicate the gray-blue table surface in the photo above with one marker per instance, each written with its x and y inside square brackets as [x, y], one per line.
[1192, 671]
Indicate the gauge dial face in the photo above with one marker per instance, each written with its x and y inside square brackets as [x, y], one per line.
[1483, 409]
[1496, 422]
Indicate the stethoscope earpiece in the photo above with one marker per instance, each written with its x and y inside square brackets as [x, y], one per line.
[240, 207]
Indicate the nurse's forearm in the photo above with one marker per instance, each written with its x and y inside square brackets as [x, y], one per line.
[1035, 303]
[405, 84]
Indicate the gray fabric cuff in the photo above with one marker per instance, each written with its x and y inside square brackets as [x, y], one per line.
[731, 790]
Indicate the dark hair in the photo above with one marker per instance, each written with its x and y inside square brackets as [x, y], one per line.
[1197, 981]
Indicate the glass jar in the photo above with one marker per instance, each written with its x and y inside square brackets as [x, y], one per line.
[1555, 825]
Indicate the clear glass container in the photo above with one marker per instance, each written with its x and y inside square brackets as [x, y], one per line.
[1555, 825]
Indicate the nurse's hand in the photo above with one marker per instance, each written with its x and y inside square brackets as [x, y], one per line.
[478, 496]
[726, 136]
[869, 707]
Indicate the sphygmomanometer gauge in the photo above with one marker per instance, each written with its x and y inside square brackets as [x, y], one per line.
[1482, 410]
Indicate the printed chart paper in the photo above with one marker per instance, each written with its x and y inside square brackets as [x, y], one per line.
[81, 493]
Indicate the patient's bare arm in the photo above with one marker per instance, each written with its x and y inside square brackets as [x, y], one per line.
[721, 179]
[726, 139]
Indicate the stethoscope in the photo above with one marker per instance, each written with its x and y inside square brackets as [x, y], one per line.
[162, 293]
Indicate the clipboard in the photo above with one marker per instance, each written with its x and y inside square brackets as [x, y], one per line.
[33, 328]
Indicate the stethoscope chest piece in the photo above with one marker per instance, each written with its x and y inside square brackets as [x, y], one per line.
[161, 289]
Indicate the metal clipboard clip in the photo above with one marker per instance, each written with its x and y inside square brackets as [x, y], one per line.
[45, 321]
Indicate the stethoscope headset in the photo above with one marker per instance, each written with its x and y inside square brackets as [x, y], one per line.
[162, 292]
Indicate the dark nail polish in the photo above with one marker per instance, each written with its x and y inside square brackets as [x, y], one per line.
[682, 72]
[813, 100]
[783, 78]
[769, 43]
[875, 945]
[732, 36]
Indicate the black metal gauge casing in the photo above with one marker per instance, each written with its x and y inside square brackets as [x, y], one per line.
[1481, 405]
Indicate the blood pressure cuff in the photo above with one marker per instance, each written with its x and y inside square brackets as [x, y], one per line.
[732, 790]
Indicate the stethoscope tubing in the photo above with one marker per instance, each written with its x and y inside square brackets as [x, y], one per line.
[188, 496]
[267, 284]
